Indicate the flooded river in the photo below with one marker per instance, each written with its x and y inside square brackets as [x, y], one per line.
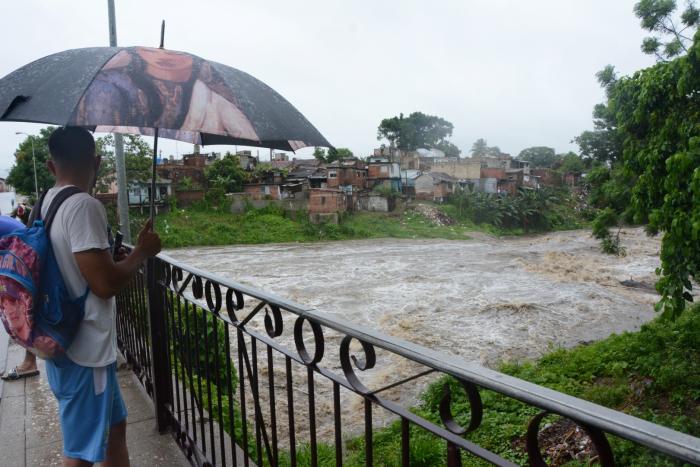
[484, 299]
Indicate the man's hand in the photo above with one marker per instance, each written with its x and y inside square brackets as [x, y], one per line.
[105, 277]
[148, 242]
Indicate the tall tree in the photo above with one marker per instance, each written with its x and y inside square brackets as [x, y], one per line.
[538, 156]
[480, 148]
[450, 150]
[418, 130]
[21, 174]
[673, 30]
[604, 143]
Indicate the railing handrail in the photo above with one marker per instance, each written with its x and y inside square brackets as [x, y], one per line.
[657, 437]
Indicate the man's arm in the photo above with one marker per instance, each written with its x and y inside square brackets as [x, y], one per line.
[105, 277]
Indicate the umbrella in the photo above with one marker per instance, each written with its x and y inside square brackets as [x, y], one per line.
[155, 92]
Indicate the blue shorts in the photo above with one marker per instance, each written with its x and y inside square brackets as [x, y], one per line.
[89, 404]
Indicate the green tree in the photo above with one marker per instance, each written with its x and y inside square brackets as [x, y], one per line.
[658, 115]
[137, 158]
[225, 174]
[418, 130]
[673, 31]
[332, 155]
[604, 143]
[570, 163]
[450, 150]
[21, 174]
[320, 154]
[538, 156]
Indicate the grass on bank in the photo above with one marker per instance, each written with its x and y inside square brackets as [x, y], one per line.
[200, 227]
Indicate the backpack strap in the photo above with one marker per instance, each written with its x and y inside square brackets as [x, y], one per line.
[36, 210]
[56, 203]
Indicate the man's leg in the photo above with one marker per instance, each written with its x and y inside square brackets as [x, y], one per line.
[28, 364]
[69, 462]
[24, 370]
[117, 452]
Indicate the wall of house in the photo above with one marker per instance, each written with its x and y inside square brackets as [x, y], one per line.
[424, 187]
[261, 191]
[548, 177]
[491, 172]
[377, 203]
[326, 201]
[461, 170]
[442, 191]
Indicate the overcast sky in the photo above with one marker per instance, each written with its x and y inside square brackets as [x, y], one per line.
[518, 73]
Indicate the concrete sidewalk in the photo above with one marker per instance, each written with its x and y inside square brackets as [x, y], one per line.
[30, 433]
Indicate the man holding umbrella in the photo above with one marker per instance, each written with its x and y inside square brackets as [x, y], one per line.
[92, 412]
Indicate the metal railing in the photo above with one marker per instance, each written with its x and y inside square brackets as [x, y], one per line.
[242, 377]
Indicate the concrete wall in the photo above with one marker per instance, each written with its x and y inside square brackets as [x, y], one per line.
[375, 203]
[462, 170]
[326, 201]
[424, 187]
[238, 202]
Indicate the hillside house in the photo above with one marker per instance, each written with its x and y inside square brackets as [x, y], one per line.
[381, 171]
[347, 175]
[434, 186]
[461, 169]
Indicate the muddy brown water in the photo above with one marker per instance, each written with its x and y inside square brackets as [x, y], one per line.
[484, 299]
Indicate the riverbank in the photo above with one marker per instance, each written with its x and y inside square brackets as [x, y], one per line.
[210, 227]
[186, 228]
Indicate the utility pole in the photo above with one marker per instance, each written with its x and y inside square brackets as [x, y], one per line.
[120, 164]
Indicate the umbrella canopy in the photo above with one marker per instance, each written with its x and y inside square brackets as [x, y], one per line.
[141, 89]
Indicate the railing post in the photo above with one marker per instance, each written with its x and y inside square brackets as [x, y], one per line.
[162, 390]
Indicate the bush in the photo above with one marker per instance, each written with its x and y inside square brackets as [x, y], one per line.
[198, 331]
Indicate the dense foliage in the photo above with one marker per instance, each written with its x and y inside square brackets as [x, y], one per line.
[538, 156]
[332, 155]
[661, 18]
[527, 210]
[22, 172]
[138, 158]
[225, 174]
[657, 113]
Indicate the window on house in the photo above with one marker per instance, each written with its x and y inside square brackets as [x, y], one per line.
[323, 200]
[332, 175]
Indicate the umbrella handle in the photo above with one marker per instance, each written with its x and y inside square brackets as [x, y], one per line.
[153, 180]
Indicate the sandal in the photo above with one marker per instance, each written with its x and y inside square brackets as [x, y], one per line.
[14, 375]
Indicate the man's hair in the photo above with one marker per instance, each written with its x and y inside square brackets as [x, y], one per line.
[71, 146]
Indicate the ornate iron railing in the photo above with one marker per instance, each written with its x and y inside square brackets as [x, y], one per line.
[241, 377]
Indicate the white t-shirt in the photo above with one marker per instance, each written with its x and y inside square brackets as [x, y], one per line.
[80, 225]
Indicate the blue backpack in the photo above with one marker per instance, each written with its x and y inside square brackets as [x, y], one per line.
[35, 307]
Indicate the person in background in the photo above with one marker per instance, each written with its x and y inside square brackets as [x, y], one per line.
[28, 367]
